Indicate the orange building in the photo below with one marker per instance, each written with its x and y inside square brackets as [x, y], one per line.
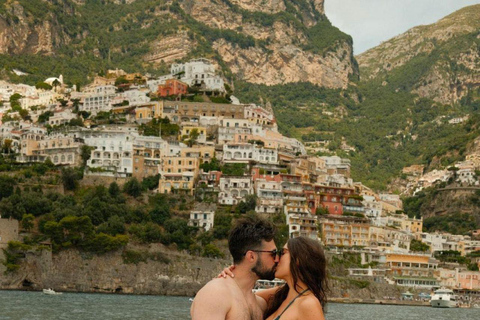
[172, 87]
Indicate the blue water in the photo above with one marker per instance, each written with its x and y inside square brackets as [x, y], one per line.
[18, 305]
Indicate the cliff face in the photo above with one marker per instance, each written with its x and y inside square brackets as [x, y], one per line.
[72, 271]
[184, 275]
[269, 42]
[442, 58]
[283, 59]
[21, 32]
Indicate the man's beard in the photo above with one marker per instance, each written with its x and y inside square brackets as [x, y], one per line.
[264, 273]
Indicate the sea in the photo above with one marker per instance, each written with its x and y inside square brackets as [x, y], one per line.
[21, 305]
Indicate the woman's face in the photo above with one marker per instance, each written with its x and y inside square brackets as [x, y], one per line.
[283, 267]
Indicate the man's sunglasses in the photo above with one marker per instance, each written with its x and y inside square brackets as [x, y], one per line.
[273, 253]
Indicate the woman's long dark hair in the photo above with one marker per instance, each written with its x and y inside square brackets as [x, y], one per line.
[307, 264]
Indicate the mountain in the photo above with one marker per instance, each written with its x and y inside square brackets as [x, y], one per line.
[398, 113]
[269, 42]
[438, 61]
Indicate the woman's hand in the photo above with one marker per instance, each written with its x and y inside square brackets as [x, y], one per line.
[227, 272]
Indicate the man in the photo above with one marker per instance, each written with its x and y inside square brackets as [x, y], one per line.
[255, 257]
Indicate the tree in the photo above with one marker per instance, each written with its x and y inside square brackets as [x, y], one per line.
[85, 153]
[114, 189]
[6, 186]
[43, 86]
[27, 222]
[160, 214]
[7, 146]
[133, 187]
[151, 182]
[56, 83]
[321, 211]
[192, 137]
[24, 114]
[70, 178]
[418, 246]
[222, 225]
[211, 251]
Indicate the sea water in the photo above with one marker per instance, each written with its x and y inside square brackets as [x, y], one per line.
[19, 305]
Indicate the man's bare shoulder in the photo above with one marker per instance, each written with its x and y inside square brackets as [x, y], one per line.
[213, 301]
[216, 286]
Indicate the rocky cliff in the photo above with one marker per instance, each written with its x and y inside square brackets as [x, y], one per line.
[270, 42]
[172, 273]
[438, 61]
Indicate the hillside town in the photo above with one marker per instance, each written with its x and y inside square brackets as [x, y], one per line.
[187, 129]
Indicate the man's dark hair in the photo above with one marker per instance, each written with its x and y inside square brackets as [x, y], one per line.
[247, 234]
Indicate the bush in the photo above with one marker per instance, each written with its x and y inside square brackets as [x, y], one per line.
[211, 251]
[103, 243]
[133, 187]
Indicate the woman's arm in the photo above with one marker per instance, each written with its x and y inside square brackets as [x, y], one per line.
[267, 294]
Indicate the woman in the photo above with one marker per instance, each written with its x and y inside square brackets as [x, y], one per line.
[303, 267]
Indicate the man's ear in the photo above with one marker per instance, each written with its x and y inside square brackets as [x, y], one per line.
[250, 256]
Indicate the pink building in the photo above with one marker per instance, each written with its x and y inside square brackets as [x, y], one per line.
[468, 280]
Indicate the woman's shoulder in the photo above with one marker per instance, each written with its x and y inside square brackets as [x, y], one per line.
[310, 308]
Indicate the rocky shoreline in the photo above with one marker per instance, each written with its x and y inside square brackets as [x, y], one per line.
[175, 274]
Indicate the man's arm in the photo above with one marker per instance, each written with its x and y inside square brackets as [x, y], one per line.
[212, 302]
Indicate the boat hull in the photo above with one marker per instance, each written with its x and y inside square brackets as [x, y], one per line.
[443, 303]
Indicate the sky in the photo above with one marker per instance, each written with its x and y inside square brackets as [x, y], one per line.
[370, 22]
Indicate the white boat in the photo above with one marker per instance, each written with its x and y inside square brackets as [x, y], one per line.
[444, 298]
[266, 284]
[51, 292]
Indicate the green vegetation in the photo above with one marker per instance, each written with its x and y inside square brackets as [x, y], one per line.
[13, 254]
[135, 257]
[98, 220]
[458, 223]
[234, 169]
[418, 246]
[157, 126]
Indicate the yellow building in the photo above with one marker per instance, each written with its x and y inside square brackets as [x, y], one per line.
[62, 150]
[344, 231]
[149, 111]
[412, 269]
[178, 173]
[186, 129]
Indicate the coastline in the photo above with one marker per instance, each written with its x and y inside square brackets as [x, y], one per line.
[331, 300]
[380, 301]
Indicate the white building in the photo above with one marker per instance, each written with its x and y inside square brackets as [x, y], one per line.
[202, 216]
[467, 176]
[113, 148]
[435, 240]
[198, 72]
[337, 164]
[373, 208]
[246, 152]
[61, 117]
[270, 196]
[40, 98]
[134, 97]
[234, 189]
[96, 99]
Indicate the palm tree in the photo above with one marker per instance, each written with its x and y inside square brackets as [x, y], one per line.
[56, 83]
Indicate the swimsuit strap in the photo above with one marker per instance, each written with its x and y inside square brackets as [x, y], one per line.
[291, 303]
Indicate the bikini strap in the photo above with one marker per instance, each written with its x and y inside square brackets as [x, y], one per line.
[301, 293]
